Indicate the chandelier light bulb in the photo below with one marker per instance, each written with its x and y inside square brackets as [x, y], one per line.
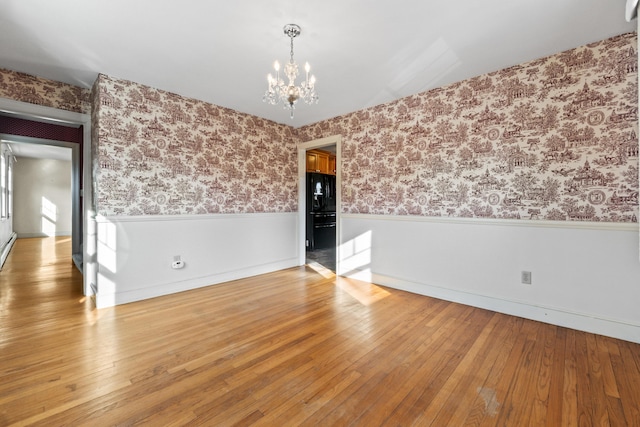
[287, 93]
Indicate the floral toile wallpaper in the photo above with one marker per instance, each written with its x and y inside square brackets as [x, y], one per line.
[158, 153]
[36, 90]
[552, 139]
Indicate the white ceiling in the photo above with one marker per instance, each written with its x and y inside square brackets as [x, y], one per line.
[39, 151]
[363, 52]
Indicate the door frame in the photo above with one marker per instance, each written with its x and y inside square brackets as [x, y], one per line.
[302, 193]
[76, 176]
[56, 116]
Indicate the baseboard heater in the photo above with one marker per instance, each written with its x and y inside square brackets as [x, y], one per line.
[7, 248]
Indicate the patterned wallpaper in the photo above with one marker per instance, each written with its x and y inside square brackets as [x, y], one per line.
[552, 139]
[35, 90]
[159, 153]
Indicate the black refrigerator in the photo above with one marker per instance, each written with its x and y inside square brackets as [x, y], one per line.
[321, 211]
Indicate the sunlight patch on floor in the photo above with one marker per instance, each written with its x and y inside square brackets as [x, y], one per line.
[366, 293]
[322, 270]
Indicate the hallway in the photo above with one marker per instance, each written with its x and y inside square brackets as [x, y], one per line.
[37, 273]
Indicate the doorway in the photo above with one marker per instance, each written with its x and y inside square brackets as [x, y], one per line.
[317, 217]
[43, 196]
[83, 230]
[42, 150]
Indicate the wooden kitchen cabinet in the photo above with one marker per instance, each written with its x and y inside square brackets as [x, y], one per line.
[320, 161]
[332, 165]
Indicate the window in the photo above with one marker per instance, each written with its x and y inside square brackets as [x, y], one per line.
[9, 185]
[3, 185]
[6, 191]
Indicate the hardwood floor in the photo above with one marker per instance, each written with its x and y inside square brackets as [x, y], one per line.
[291, 348]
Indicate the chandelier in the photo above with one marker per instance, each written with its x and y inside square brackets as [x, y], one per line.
[287, 92]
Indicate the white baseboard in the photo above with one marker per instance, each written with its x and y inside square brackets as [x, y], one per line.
[108, 300]
[554, 316]
[40, 234]
[4, 253]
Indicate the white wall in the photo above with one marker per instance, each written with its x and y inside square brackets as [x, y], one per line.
[135, 253]
[42, 197]
[584, 276]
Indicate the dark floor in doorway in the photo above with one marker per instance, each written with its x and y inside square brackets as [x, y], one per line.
[324, 257]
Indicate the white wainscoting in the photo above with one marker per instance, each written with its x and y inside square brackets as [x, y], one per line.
[135, 254]
[585, 276]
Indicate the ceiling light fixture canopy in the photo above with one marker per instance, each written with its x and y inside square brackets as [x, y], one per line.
[287, 92]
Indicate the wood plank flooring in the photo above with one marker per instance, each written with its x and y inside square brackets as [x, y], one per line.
[291, 348]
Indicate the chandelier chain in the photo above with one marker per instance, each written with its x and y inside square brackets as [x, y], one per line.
[291, 38]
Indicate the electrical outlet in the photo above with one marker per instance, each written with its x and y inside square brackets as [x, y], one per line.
[177, 262]
[177, 265]
[526, 277]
